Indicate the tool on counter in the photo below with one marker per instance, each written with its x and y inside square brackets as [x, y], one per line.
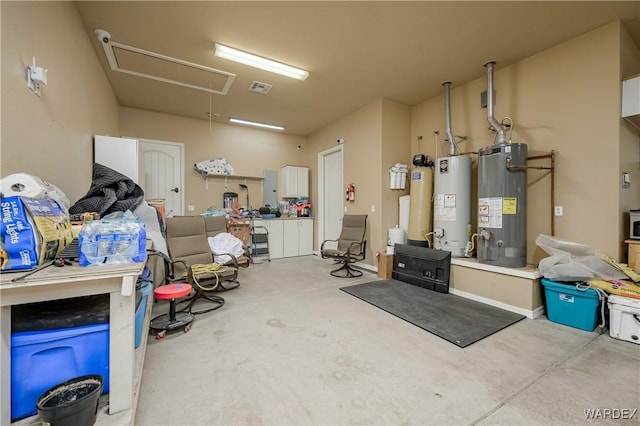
[59, 262]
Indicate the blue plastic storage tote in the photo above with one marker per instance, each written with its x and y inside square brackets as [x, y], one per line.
[141, 311]
[43, 359]
[569, 306]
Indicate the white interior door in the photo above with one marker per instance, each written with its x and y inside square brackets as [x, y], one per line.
[161, 173]
[331, 195]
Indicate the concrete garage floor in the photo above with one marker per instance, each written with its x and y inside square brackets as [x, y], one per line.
[290, 348]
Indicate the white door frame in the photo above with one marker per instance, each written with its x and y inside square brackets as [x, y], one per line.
[180, 147]
[321, 194]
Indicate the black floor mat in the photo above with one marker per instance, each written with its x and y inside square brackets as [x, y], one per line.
[456, 319]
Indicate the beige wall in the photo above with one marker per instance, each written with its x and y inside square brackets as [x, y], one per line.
[249, 151]
[396, 134]
[565, 99]
[52, 136]
[361, 155]
[375, 138]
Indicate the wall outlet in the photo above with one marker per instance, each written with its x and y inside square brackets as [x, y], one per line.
[373, 208]
[558, 211]
[191, 208]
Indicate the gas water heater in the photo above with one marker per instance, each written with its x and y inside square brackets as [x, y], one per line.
[452, 194]
[502, 196]
[452, 204]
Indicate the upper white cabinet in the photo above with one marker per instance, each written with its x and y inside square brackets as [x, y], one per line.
[119, 154]
[631, 99]
[295, 181]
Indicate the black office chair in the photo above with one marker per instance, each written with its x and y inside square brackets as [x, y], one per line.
[351, 246]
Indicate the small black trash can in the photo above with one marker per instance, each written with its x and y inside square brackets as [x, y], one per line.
[72, 403]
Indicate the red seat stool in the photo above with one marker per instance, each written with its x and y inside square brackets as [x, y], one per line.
[173, 320]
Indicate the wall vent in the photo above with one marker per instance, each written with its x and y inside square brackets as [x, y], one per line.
[260, 87]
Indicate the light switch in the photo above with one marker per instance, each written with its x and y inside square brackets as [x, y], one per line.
[191, 207]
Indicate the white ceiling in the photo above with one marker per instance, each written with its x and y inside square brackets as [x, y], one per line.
[355, 51]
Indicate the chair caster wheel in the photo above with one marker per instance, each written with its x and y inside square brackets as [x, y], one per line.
[161, 335]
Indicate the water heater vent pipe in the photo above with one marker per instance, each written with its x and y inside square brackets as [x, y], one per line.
[492, 120]
[447, 117]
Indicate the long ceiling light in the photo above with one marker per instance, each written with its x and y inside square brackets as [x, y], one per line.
[232, 54]
[256, 124]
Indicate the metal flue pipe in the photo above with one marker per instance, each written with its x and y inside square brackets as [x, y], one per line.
[492, 120]
[447, 117]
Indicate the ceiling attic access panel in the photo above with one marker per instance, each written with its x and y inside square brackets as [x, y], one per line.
[156, 66]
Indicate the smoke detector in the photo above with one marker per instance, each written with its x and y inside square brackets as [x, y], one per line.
[260, 87]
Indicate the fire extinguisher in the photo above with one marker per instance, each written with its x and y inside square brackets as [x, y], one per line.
[351, 193]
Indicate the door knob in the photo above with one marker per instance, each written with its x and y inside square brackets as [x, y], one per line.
[176, 190]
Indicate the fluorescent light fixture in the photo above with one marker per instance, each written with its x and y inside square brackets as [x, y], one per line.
[258, 62]
[255, 123]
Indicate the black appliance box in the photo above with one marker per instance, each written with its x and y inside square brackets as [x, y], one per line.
[422, 266]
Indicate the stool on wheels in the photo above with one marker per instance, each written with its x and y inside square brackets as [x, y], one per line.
[173, 320]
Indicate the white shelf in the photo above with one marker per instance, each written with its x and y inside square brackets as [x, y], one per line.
[232, 177]
[237, 177]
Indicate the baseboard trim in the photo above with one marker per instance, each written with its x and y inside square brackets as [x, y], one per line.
[531, 314]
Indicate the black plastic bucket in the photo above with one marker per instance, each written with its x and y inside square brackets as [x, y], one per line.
[72, 403]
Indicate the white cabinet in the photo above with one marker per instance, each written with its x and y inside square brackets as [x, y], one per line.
[305, 237]
[631, 99]
[276, 236]
[298, 237]
[119, 154]
[295, 181]
[288, 237]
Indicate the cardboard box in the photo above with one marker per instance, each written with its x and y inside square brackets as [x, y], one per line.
[385, 265]
[158, 203]
[240, 231]
[33, 231]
